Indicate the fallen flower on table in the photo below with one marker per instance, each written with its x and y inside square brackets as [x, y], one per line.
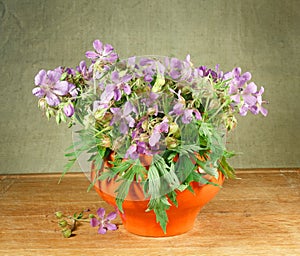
[68, 223]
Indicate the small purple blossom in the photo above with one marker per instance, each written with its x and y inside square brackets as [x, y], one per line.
[123, 117]
[238, 79]
[188, 115]
[120, 84]
[258, 108]
[49, 86]
[105, 53]
[160, 128]
[86, 72]
[247, 93]
[104, 223]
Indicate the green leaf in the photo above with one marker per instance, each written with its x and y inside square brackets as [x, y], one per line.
[160, 206]
[184, 167]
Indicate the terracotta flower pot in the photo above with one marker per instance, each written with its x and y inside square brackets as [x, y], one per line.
[180, 219]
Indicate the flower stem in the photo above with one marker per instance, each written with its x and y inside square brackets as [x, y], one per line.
[219, 109]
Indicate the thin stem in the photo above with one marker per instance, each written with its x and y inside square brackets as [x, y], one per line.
[219, 109]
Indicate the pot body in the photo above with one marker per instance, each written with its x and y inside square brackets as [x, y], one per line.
[181, 218]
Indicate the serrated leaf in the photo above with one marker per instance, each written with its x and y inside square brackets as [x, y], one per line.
[160, 206]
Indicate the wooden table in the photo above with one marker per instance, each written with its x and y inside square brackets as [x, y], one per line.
[258, 214]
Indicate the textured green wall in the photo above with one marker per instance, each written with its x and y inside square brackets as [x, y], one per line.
[259, 35]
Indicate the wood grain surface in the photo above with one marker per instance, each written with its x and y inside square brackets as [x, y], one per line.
[257, 214]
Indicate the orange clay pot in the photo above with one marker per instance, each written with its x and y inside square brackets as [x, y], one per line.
[181, 219]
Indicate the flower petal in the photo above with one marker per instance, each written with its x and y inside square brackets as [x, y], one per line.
[107, 49]
[61, 88]
[101, 212]
[54, 75]
[250, 88]
[38, 92]
[263, 111]
[98, 46]
[126, 78]
[102, 230]
[40, 77]
[94, 222]
[128, 107]
[154, 138]
[249, 99]
[111, 216]
[52, 99]
[91, 55]
[115, 77]
[111, 226]
[126, 89]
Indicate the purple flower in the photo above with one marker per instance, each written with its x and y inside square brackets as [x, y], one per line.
[237, 79]
[123, 116]
[104, 223]
[69, 110]
[150, 99]
[49, 86]
[86, 72]
[255, 109]
[180, 70]
[151, 67]
[132, 152]
[162, 127]
[247, 93]
[179, 109]
[103, 52]
[188, 115]
[120, 84]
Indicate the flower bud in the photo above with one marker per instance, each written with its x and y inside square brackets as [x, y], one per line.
[105, 141]
[173, 128]
[145, 125]
[66, 232]
[171, 142]
[143, 137]
[185, 90]
[69, 110]
[58, 215]
[63, 223]
[42, 103]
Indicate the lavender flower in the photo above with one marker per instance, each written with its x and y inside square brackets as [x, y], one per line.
[49, 85]
[123, 116]
[238, 79]
[247, 93]
[257, 108]
[162, 127]
[86, 72]
[104, 223]
[187, 114]
[104, 53]
[120, 84]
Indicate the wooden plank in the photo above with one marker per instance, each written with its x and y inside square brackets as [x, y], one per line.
[255, 215]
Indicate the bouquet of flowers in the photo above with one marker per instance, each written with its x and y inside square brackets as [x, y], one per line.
[164, 109]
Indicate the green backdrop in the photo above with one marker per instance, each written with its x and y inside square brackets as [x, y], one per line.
[261, 36]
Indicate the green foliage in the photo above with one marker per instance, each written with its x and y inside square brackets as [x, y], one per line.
[160, 205]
